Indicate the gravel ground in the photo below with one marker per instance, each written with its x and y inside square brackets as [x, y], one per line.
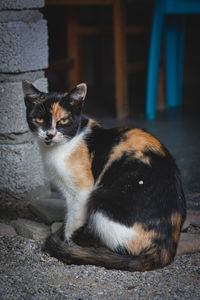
[28, 273]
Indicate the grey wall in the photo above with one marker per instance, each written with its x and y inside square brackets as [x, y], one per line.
[23, 55]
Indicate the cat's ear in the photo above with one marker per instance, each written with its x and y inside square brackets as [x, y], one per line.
[76, 97]
[31, 94]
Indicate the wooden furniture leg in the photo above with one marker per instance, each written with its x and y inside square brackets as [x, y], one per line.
[121, 92]
[73, 47]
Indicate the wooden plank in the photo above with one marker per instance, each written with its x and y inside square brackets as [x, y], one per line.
[97, 30]
[89, 2]
[73, 47]
[94, 30]
[79, 2]
[136, 29]
[121, 90]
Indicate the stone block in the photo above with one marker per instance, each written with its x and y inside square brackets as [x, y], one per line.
[21, 169]
[186, 225]
[31, 229]
[49, 209]
[20, 15]
[6, 230]
[20, 4]
[194, 217]
[23, 46]
[56, 226]
[12, 112]
[31, 76]
[188, 243]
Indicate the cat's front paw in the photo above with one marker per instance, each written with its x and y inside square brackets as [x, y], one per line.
[57, 236]
[55, 240]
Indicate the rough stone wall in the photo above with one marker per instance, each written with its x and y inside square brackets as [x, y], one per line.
[23, 55]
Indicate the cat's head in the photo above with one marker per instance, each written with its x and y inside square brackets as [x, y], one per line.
[53, 117]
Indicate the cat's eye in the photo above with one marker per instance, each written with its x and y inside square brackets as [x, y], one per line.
[63, 121]
[39, 120]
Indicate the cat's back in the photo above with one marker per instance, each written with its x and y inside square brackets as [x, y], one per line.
[124, 145]
[137, 167]
[137, 144]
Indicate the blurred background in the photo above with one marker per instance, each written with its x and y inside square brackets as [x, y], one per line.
[177, 128]
[96, 52]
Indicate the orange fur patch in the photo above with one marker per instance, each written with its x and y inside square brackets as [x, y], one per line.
[166, 257]
[57, 113]
[138, 141]
[143, 240]
[79, 164]
[176, 225]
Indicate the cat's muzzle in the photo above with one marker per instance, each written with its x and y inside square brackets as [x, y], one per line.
[48, 141]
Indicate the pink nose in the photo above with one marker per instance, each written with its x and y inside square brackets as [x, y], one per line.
[51, 134]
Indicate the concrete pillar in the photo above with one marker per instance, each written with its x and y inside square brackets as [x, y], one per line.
[23, 55]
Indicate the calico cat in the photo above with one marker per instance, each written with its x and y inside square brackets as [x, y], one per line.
[122, 184]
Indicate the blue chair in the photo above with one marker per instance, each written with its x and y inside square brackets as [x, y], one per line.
[168, 14]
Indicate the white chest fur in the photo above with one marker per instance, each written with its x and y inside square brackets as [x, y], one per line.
[56, 162]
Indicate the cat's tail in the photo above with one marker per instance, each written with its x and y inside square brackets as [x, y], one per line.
[71, 253]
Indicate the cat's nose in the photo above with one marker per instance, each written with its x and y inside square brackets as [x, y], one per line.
[50, 134]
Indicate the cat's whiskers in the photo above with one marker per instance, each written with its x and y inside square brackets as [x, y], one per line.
[41, 133]
[59, 138]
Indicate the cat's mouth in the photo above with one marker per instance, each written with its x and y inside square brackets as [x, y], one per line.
[48, 143]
